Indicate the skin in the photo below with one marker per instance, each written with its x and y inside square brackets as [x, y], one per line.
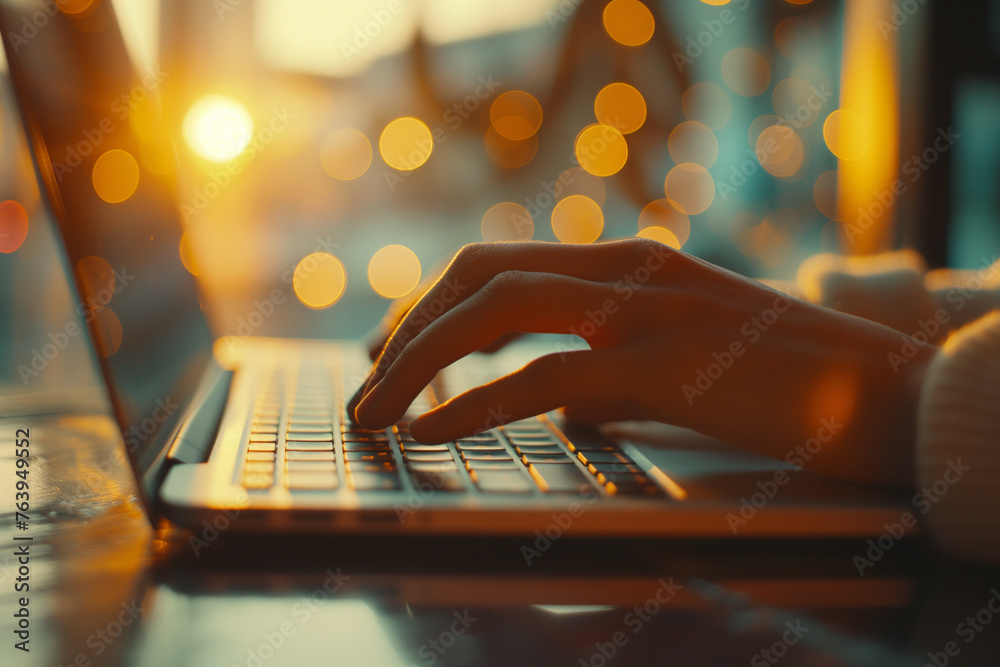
[671, 338]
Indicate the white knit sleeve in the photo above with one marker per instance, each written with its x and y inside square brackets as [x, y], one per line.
[958, 443]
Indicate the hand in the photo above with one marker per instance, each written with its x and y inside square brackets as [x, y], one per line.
[671, 338]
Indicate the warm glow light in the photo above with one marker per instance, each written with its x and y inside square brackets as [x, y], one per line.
[577, 219]
[346, 154]
[780, 151]
[577, 181]
[621, 106]
[846, 134]
[516, 115]
[661, 234]
[73, 7]
[217, 127]
[661, 213]
[759, 124]
[746, 72]
[115, 176]
[507, 152]
[628, 22]
[146, 119]
[13, 226]
[319, 280]
[689, 188]
[601, 149]
[406, 143]
[507, 221]
[187, 255]
[707, 103]
[158, 157]
[692, 141]
[394, 271]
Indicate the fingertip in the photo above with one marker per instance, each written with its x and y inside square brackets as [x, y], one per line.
[427, 429]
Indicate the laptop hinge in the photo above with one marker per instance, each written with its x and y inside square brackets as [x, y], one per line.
[195, 437]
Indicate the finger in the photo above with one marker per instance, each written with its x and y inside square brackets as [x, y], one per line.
[501, 342]
[592, 415]
[512, 301]
[627, 263]
[549, 382]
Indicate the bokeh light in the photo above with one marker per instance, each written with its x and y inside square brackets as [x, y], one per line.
[601, 149]
[74, 7]
[406, 143]
[661, 213]
[509, 153]
[661, 234]
[692, 141]
[217, 127]
[746, 72]
[394, 271]
[578, 181]
[186, 251]
[577, 219]
[13, 226]
[516, 115]
[759, 124]
[780, 151]
[621, 106]
[507, 221]
[346, 154]
[115, 176]
[846, 134]
[796, 102]
[628, 22]
[707, 103]
[319, 280]
[109, 331]
[689, 188]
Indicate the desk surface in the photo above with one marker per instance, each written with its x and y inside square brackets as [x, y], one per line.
[106, 589]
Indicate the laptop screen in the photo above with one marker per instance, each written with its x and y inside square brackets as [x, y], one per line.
[107, 174]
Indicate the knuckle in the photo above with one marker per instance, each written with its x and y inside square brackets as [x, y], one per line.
[505, 283]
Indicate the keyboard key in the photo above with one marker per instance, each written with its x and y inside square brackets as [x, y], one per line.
[308, 421]
[258, 481]
[438, 481]
[409, 448]
[481, 448]
[260, 456]
[618, 467]
[293, 455]
[546, 458]
[438, 467]
[604, 457]
[312, 480]
[262, 446]
[426, 457]
[374, 481]
[310, 428]
[593, 447]
[303, 436]
[631, 487]
[502, 481]
[263, 467]
[540, 439]
[557, 478]
[311, 466]
[539, 449]
[486, 456]
[509, 464]
[309, 446]
[366, 447]
[370, 466]
[478, 440]
[368, 456]
[263, 437]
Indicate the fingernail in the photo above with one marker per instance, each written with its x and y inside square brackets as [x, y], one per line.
[367, 404]
[352, 405]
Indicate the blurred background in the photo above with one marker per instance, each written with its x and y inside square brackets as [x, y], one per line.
[330, 153]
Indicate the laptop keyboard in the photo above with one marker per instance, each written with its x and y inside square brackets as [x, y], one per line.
[302, 439]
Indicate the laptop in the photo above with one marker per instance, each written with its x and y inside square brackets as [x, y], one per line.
[257, 431]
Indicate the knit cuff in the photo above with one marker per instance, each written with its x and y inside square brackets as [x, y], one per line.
[958, 443]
